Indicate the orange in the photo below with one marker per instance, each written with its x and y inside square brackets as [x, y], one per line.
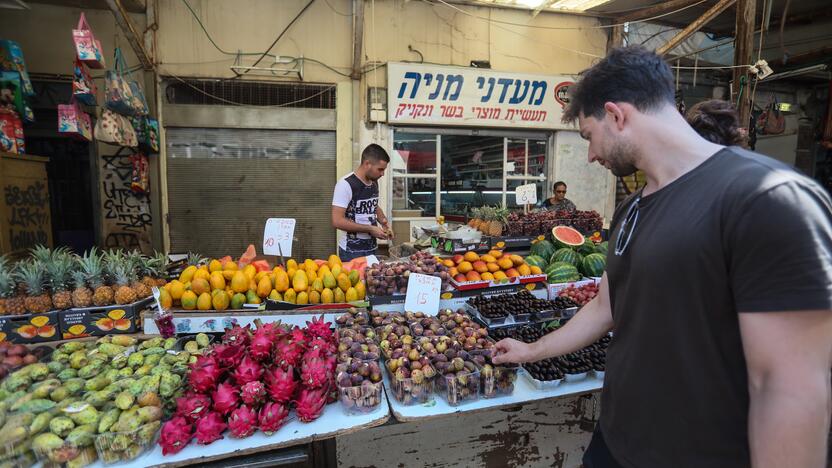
[473, 276]
[487, 276]
[505, 263]
[471, 256]
[465, 267]
[493, 266]
[488, 258]
[480, 266]
[495, 253]
[499, 275]
[524, 270]
[517, 260]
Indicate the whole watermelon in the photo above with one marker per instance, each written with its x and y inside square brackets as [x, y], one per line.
[536, 260]
[543, 249]
[562, 272]
[594, 264]
[588, 247]
[602, 248]
[567, 255]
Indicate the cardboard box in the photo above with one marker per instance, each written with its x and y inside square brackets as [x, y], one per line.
[455, 246]
[31, 328]
[516, 280]
[104, 320]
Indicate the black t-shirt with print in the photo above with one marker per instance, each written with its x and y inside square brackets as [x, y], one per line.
[360, 202]
[741, 233]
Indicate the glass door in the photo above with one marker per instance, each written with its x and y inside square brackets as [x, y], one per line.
[413, 163]
[525, 164]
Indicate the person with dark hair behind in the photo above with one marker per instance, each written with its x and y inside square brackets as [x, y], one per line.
[717, 121]
[718, 290]
[558, 200]
[355, 207]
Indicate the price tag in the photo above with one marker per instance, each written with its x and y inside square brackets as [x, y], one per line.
[371, 260]
[423, 293]
[526, 194]
[278, 232]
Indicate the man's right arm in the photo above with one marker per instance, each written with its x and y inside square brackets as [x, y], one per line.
[585, 328]
[340, 221]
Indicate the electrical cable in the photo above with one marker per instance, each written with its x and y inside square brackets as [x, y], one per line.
[335, 10]
[196, 17]
[285, 104]
[279, 36]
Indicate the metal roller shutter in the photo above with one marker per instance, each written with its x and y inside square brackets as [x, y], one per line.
[223, 183]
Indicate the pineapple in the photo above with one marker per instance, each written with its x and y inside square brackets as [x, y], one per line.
[59, 272]
[7, 286]
[32, 274]
[498, 222]
[97, 277]
[195, 259]
[486, 215]
[134, 264]
[81, 294]
[122, 274]
[155, 265]
[475, 220]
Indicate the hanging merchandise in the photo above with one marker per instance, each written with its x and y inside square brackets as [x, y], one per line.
[83, 87]
[73, 121]
[124, 95]
[147, 133]
[8, 139]
[140, 183]
[772, 121]
[87, 47]
[115, 129]
[11, 95]
[11, 59]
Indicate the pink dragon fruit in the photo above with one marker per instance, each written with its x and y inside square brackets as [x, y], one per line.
[289, 355]
[322, 345]
[318, 328]
[272, 417]
[253, 393]
[228, 356]
[315, 373]
[242, 422]
[262, 344]
[248, 370]
[193, 406]
[237, 335]
[226, 398]
[281, 384]
[310, 403]
[209, 428]
[176, 434]
[204, 374]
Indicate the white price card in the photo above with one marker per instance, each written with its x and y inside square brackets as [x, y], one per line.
[372, 260]
[278, 232]
[423, 293]
[526, 194]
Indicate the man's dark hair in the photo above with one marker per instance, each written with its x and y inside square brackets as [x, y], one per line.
[717, 121]
[558, 184]
[374, 153]
[631, 74]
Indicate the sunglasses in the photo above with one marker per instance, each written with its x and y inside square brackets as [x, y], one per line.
[625, 233]
[560, 191]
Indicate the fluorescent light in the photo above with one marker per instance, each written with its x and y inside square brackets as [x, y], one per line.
[531, 3]
[577, 5]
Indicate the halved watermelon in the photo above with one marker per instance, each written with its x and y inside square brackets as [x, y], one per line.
[565, 236]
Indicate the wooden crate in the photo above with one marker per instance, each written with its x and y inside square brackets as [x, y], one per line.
[25, 218]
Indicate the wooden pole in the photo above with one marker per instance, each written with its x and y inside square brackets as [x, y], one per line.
[135, 39]
[616, 38]
[655, 10]
[358, 37]
[680, 37]
[743, 50]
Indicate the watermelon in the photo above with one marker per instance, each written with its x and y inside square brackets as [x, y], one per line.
[602, 248]
[594, 264]
[565, 236]
[543, 249]
[567, 255]
[562, 272]
[536, 260]
[587, 248]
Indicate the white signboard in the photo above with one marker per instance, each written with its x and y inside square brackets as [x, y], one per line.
[278, 232]
[526, 194]
[423, 293]
[419, 94]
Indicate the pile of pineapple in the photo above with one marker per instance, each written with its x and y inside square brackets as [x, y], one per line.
[490, 220]
[56, 279]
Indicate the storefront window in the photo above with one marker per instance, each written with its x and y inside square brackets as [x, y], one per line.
[511, 185]
[472, 172]
[413, 164]
[413, 153]
[411, 193]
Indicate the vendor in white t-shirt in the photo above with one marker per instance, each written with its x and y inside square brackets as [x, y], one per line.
[355, 207]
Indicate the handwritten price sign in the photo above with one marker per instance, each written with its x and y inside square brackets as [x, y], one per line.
[526, 194]
[423, 293]
[278, 232]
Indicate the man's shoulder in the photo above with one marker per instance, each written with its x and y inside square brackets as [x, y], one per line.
[750, 173]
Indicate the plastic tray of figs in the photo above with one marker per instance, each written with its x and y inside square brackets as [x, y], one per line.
[408, 392]
[361, 399]
[117, 447]
[459, 388]
[498, 380]
[349, 319]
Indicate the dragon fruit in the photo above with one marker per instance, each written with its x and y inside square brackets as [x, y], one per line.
[176, 434]
[226, 398]
[272, 417]
[247, 371]
[210, 427]
[310, 403]
[281, 384]
[315, 373]
[289, 354]
[318, 328]
[321, 345]
[242, 422]
[237, 335]
[253, 393]
[228, 356]
[262, 344]
[193, 406]
[204, 374]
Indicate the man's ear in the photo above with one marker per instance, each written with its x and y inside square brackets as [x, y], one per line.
[616, 114]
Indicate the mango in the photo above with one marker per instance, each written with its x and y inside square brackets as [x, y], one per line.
[238, 300]
[354, 277]
[252, 297]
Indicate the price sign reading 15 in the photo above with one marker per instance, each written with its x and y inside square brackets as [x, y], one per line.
[278, 232]
[423, 293]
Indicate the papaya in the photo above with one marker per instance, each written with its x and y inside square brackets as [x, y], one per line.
[311, 266]
[239, 283]
[228, 269]
[314, 297]
[290, 296]
[204, 301]
[353, 276]
[202, 273]
[343, 282]
[264, 287]
[291, 273]
[275, 296]
[323, 270]
[339, 296]
[361, 290]
[300, 282]
[318, 285]
[351, 295]
[281, 282]
[261, 265]
[329, 281]
[252, 297]
[238, 300]
[177, 288]
[188, 300]
[248, 256]
[217, 280]
[249, 271]
[214, 266]
[302, 298]
[336, 270]
[333, 260]
[187, 274]
[199, 286]
[219, 299]
[327, 297]
[291, 264]
[165, 299]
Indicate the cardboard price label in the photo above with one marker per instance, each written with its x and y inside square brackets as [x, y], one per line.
[278, 236]
[526, 194]
[423, 293]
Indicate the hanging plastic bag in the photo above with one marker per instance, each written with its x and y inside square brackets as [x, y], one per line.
[124, 95]
[87, 47]
[8, 140]
[115, 129]
[11, 59]
[73, 121]
[140, 182]
[83, 87]
[147, 133]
